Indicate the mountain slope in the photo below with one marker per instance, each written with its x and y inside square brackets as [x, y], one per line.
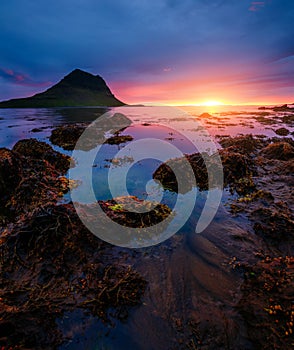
[78, 88]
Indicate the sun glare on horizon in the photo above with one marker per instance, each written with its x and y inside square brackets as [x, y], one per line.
[211, 103]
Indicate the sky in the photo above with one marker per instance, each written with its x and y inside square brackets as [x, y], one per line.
[172, 52]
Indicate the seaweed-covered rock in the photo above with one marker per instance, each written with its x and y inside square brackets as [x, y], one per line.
[278, 150]
[282, 132]
[272, 224]
[266, 304]
[34, 149]
[116, 210]
[166, 176]
[265, 120]
[10, 172]
[52, 265]
[235, 165]
[288, 119]
[283, 108]
[237, 170]
[31, 176]
[244, 144]
[118, 139]
[66, 136]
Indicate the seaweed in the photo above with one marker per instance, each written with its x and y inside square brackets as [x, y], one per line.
[237, 170]
[282, 132]
[118, 139]
[278, 150]
[50, 263]
[266, 304]
[116, 210]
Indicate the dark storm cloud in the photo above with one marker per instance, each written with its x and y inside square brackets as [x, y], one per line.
[138, 40]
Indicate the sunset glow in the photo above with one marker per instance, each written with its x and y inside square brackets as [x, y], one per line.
[211, 103]
[215, 62]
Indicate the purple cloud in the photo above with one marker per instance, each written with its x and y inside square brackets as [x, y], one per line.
[21, 79]
[256, 6]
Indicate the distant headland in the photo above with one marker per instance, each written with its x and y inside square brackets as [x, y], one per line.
[78, 88]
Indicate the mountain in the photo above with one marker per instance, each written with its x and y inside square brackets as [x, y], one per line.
[78, 88]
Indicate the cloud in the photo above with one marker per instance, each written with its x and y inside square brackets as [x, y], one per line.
[256, 6]
[20, 79]
[141, 42]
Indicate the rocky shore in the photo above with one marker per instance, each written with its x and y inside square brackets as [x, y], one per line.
[51, 264]
[260, 171]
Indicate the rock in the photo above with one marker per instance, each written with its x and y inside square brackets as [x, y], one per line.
[205, 116]
[32, 148]
[265, 121]
[278, 150]
[266, 302]
[66, 136]
[166, 176]
[10, 172]
[66, 268]
[282, 132]
[116, 140]
[237, 170]
[283, 108]
[272, 224]
[242, 144]
[30, 175]
[115, 209]
[288, 119]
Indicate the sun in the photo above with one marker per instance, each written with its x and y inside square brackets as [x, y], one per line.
[211, 103]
